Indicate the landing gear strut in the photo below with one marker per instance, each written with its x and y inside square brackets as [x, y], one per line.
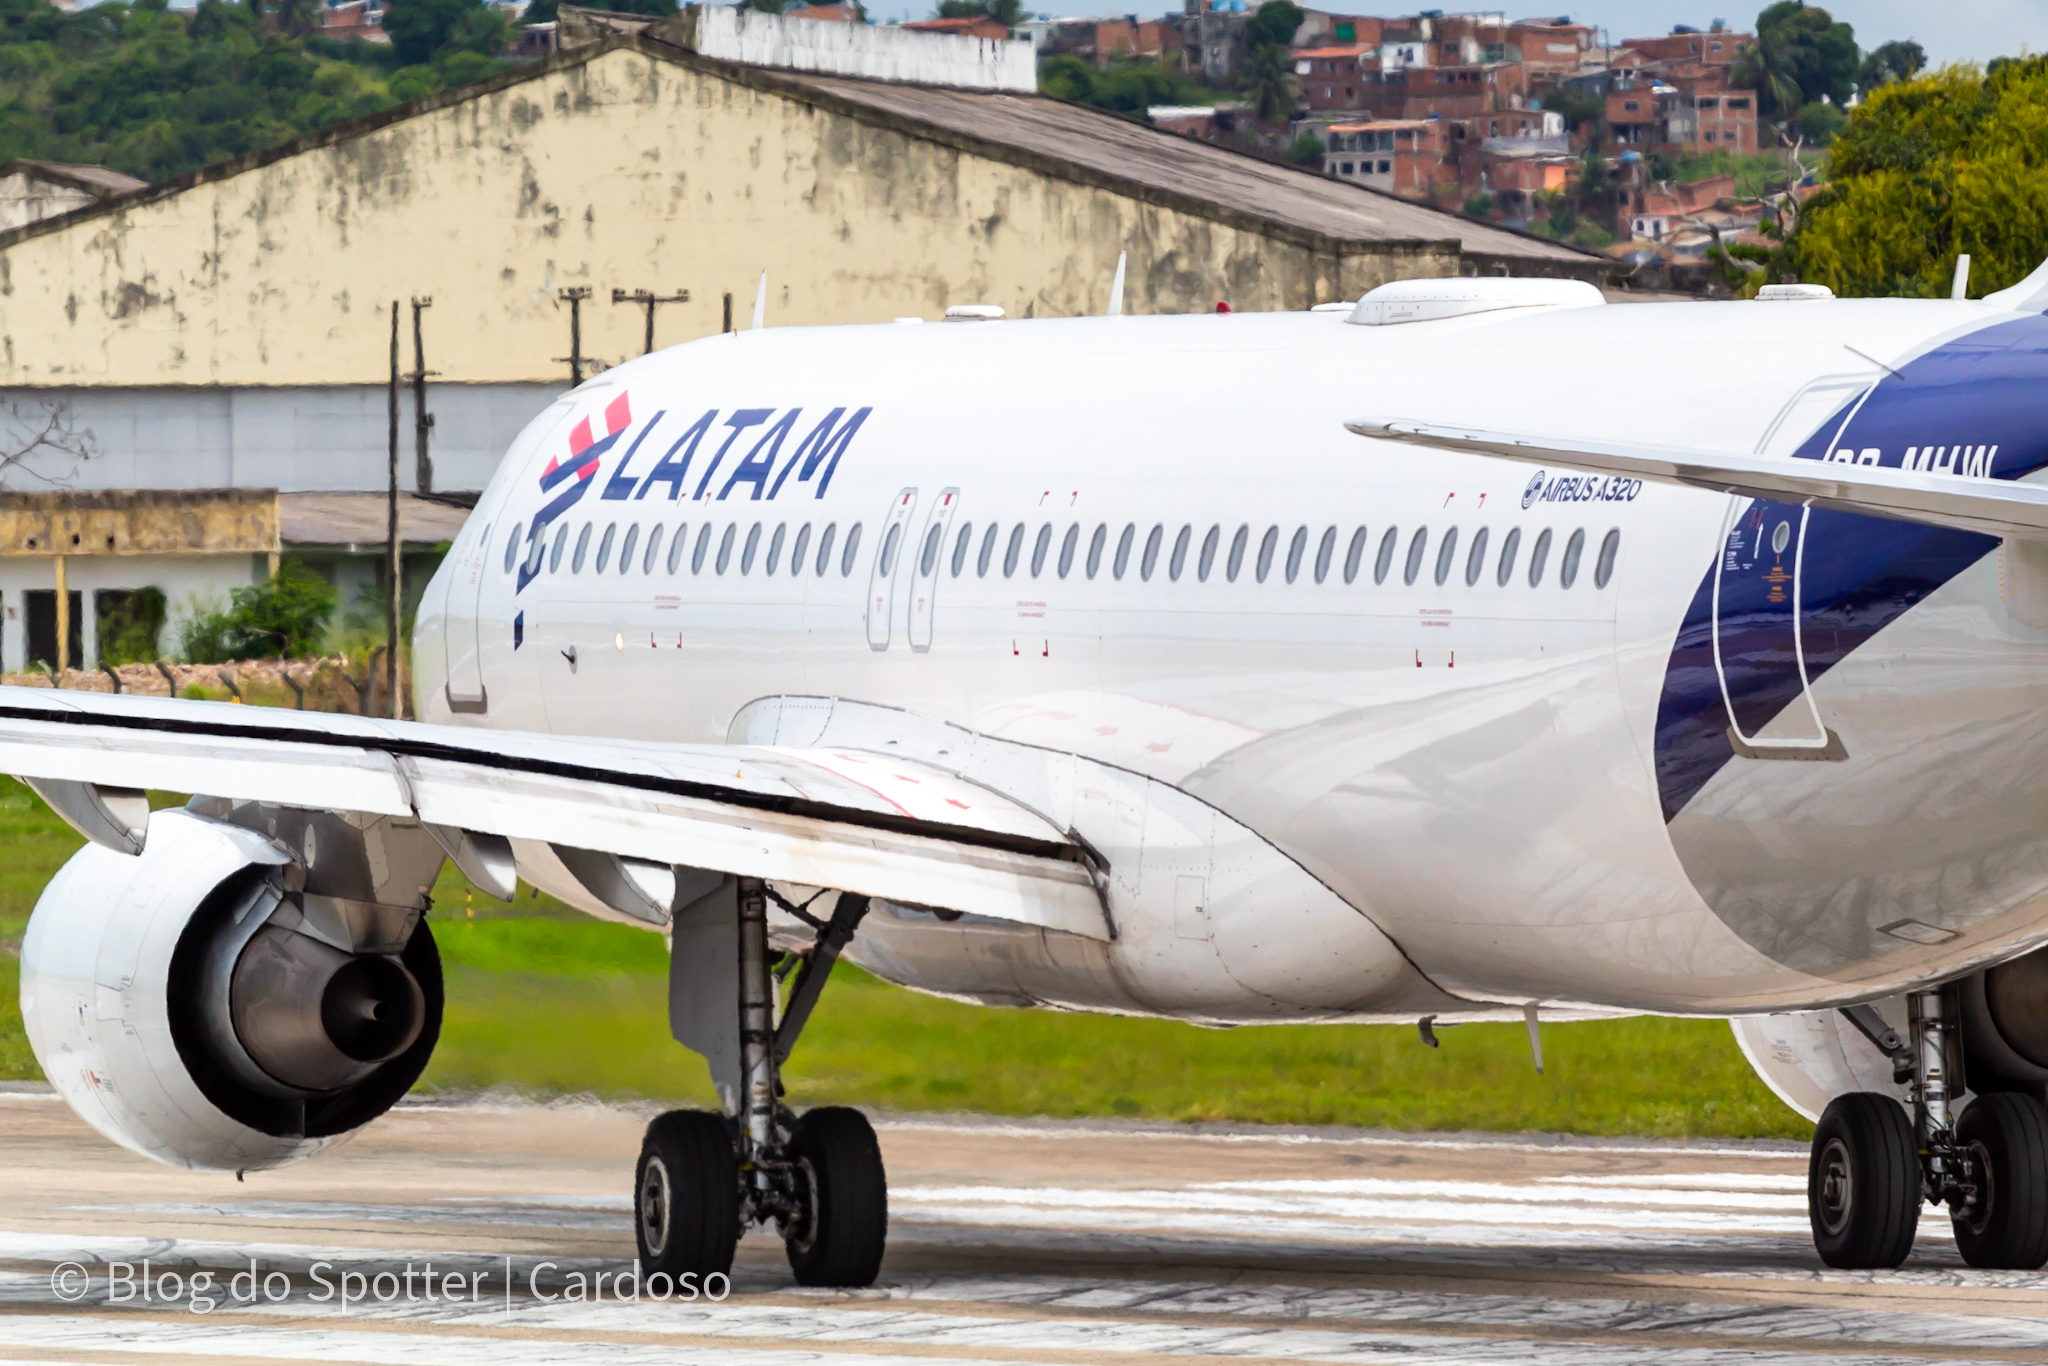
[1873, 1166]
[818, 1177]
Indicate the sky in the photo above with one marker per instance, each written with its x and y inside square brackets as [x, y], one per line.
[1961, 30]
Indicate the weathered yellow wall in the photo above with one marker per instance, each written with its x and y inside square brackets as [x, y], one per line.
[623, 170]
[150, 522]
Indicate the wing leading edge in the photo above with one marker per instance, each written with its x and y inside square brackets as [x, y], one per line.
[847, 819]
[1996, 507]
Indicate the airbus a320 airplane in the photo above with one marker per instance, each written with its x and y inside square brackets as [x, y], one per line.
[1350, 665]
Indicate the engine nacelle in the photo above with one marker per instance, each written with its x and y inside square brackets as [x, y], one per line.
[2000, 1042]
[257, 982]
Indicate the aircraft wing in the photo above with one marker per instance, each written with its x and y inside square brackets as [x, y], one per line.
[615, 815]
[1996, 507]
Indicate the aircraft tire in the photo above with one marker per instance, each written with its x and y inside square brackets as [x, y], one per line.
[1863, 1182]
[2005, 1134]
[686, 1205]
[840, 1241]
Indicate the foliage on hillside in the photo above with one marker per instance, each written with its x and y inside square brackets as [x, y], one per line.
[1125, 87]
[1926, 169]
[155, 93]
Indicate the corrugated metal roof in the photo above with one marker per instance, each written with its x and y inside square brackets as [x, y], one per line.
[1183, 167]
[340, 519]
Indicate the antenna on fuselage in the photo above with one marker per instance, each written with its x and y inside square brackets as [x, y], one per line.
[1116, 290]
[1961, 288]
[761, 303]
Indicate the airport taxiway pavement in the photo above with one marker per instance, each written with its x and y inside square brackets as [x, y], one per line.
[1010, 1242]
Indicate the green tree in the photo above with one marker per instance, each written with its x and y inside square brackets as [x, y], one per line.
[1274, 23]
[1766, 66]
[1479, 205]
[1579, 108]
[1127, 88]
[1820, 51]
[1923, 170]
[1892, 62]
[1307, 150]
[1007, 12]
[1269, 84]
[284, 617]
[421, 28]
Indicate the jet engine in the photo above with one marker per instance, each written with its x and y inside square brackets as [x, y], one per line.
[255, 983]
[1810, 1057]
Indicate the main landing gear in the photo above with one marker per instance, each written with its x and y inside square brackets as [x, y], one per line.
[1873, 1164]
[818, 1177]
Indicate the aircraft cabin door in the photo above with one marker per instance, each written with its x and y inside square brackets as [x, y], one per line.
[1759, 642]
[882, 572]
[924, 583]
[465, 686]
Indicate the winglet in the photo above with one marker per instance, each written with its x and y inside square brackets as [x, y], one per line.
[1116, 289]
[2028, 296]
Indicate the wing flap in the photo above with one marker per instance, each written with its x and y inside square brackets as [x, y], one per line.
[842, 818]
[1995, 507]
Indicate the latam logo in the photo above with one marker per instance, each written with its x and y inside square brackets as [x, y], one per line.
[763, 471]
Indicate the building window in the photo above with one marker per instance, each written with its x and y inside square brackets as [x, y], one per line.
[1386, 167]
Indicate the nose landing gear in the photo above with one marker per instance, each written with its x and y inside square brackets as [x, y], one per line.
[1872, 1166]
[818, 1177]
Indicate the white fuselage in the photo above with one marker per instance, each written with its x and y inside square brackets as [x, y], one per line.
[1468, 759]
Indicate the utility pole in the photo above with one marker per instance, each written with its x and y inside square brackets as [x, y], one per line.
[422, 462]
[727, 327]
[574, 297]
[395, 547]
[648, 300]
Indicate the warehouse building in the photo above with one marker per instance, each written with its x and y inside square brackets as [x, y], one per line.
[233, 328]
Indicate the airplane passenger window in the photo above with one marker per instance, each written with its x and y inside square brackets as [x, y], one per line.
[1325, 551]
[1150, 559]
[988, 550]
[725, 546]
[676, 547]
[1539, 555]
[604, 547]
[1445, 553]
[1208, 560]
[1296, 548]
[555, 551]
[1568, 567]
[889, 549]
[1603, 568]
[1385, 559]
[582, 549]
[653, 548]
[512, 546]
[1014, 549]
[824, 560]
[929, 561]
[1508, 548]
[1235, 562]
[1095, 544]
[1354, 555]
[960, 545]
[1068, 546]
[1179, 559]
[846, 556]
[801, 551]
[1123, 550]
[1038, 549]
[753, 544]
[533, 560]
[1475, 563]
[1267, 545]
[1416, 548]
[626, 550]
[775, 548]
[703, 544]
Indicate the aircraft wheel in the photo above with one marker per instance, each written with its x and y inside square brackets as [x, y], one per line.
[687, 1196]
[2004, 1136]
[838, 1239]
[1863, 1182]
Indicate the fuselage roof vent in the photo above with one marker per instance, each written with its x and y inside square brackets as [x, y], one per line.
[1421, 301]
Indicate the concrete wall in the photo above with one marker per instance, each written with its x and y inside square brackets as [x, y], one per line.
[613, 167]
[883, 54]
[294, 438]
